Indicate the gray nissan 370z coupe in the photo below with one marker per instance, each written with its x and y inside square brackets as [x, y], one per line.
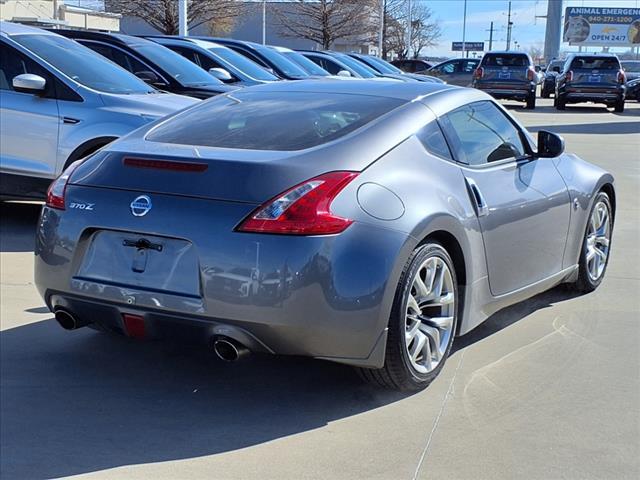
[366, 223]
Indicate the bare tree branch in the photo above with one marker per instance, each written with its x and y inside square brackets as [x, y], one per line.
[163, 14]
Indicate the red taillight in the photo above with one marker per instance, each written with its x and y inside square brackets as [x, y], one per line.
[621, 77]
[165, 165]
[531, 74]
[57, 190]
[302, 210]
[569, 76]
[478, 72]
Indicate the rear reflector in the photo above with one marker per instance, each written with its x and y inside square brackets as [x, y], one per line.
[165, 165]
[302, 210]
[133, 325]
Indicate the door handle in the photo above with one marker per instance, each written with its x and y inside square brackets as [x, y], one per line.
[70, 120]
[481, 205]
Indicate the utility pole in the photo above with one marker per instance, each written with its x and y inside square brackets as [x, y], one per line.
[509, 25]
[490, 30]
[464, 30]
[264, 22]
[183, 28]
[553, 30]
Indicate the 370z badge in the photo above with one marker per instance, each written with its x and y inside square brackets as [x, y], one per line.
[82, 206]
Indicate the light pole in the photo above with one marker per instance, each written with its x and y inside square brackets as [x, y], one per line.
[509, 25]
[381, 32]
[183, 28]
[464, 29]
[264, 22]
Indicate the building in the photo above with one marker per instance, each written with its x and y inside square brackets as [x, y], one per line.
[52, 13]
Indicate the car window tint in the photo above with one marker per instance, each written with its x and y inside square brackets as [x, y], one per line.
[448, 68]
[483, 134]
[595, 63]
[271, 120]
[469, 66]
[116, 55]
[433, 140]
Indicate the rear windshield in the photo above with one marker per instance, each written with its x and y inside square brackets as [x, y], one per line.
[272, 120]
[505, 60]
[595, 63]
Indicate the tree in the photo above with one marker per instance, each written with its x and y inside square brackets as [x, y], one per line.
[325, 21]
[424, 31]
[163, 14]
[535, 51]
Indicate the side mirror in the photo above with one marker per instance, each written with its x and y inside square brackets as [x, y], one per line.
[150, 77]
[344, 73]
[29, 83]
[549, 144]
[221, 74]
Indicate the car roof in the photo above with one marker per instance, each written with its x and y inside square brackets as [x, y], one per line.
[594, 54]
[10, 28]
[281, 49]
[171, 40]
[409, 91]
[118, 38]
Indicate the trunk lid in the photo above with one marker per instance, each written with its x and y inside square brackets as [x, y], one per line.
[505, 68]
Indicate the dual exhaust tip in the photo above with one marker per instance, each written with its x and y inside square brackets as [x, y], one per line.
[225, 348]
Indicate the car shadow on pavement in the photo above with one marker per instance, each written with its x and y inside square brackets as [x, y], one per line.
[510, 315]
[18, 226]
[83, 401]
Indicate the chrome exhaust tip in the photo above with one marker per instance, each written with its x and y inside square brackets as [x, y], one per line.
[67, 320]
[229, 350]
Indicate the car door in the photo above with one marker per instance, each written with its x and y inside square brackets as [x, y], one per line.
[445, 71]
[522, 202]
[30, 122]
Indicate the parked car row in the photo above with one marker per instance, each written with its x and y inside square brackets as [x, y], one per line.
[67, 93]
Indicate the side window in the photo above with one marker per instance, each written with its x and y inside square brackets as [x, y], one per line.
[185, 52]
[480, 133]
[469, 66]
[433, 140]
[331, 67]
[14, 63]
[249, 55]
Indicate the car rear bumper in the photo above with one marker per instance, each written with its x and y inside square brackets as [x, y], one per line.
[593, 94]
[507, 91]
[325, 296]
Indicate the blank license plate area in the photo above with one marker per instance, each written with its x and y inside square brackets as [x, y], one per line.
[142, 261]
[594, 78]
[504, 75]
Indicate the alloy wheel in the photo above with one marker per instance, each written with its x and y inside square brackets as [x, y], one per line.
[598, 240]
[429, 318]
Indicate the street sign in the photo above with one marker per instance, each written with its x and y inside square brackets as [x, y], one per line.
[602, 27]
[468, 46]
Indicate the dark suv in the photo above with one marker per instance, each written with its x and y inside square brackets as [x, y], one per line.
[507, 75]
[591, 78]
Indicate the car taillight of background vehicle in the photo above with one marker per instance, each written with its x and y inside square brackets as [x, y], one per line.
[569, 76]
[57, 190]
[621, 76]
[478, 73]
[302, 210]
[531, 74]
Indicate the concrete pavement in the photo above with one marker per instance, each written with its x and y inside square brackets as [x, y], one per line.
[549, 388]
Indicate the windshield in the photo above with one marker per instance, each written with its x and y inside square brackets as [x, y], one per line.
[243, 64]
[309, 65]
[283, 64]
[258, 120]
[382, 66]
[363, 70]
[182, 70]
[82, 64]
[631, 66]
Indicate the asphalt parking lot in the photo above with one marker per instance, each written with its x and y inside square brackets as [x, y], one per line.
[546, 389]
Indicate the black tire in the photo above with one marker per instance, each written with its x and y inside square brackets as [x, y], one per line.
[397, 372]
[560, 102]
[531, 101]
[584, 283]
[619, 105]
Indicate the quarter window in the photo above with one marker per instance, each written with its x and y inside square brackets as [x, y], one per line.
[433, 140]
[480, 133]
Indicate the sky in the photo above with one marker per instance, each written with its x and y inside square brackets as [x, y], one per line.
[527, 29]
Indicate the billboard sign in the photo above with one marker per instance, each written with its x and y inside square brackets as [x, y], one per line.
[602, 27]
[468, 46]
